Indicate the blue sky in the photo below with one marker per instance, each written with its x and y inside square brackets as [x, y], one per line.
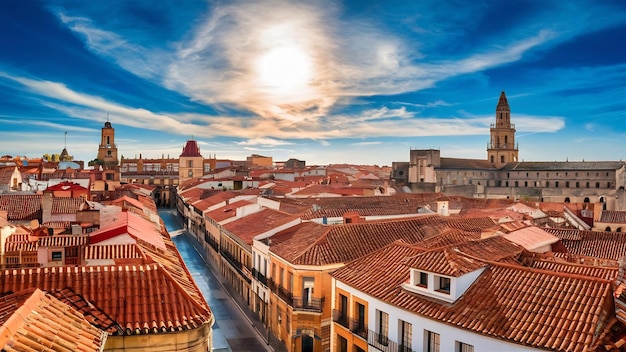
[323, 81]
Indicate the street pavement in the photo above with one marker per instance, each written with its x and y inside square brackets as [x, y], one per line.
[234, 328]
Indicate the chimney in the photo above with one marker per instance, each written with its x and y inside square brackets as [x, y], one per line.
[442, 208]
[46, 207]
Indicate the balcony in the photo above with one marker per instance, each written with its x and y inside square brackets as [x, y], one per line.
[237, 265]
[310, 304]
[382, 343]
[260, 277]
[359, 328]
[341, 318]
[285, 295]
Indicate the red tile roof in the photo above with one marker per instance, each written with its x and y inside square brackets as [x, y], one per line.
[134, 225]
[33, 320]
[317, 208]
[445, 261]
[191, 148]
[63, 205]
[315, 244]
[535, 308]
[249, 226]
[142, 299]
[608, 245]
[21, 207]
[126, 199]
[66, 186]
[226, 212]
[214, 199]
[613, 216]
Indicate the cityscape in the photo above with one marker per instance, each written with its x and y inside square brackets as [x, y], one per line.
[328, 176]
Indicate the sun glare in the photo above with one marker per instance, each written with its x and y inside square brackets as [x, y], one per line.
[284, 69]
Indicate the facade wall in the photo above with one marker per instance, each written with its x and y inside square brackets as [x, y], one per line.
[449, 335]
[194, 340]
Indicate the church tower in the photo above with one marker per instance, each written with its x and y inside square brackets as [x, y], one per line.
[190, 162]
[107, 152]
[501, 148]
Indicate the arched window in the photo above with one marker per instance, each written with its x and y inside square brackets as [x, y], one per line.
[516, 184]
[566, 199]
[608, 229]
[619, 229]
[502, 158]
[601, 199]
[506, 140]
[586, 200]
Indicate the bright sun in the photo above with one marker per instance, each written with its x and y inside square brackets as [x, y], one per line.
[284, 69]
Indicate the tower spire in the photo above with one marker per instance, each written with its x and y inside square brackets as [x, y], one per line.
[65, 143]
[502, 149]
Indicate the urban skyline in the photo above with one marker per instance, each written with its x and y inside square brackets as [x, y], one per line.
[355, 82]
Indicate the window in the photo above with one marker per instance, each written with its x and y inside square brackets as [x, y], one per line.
[587, 184]
[342, 344]
[577, 184]
[463, 347]
[360, 319]
[556, 184]
[443, 284]
[566, 184]
[190, 163]
[431, 340]
[343, 310]
[421, 279]
[57, 255]
[502, 158]
[405, 336]
[382, 327]
[597, 184]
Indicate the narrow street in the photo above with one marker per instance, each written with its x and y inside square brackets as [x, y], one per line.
[233, 330]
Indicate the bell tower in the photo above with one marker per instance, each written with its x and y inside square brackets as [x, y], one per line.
[502, 149]
[107, 153]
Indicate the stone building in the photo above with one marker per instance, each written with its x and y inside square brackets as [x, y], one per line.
[502, 175]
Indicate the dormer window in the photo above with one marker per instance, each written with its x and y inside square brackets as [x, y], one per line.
[442, 284]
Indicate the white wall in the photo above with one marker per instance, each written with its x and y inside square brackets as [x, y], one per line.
[448, 333]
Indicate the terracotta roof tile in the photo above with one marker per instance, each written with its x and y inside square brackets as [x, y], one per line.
[226, 212]
[536, 308]
[249, 226]
[445, 261]
[608, 245]
[317, 208]
[133, 225]
[21, 207]
[66, 205]
[35, 321]
[315, 244]
[142, 299]
[613, 216]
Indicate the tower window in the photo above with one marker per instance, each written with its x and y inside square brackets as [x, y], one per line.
[502, 158]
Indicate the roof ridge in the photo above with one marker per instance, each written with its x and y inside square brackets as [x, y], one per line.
[550, 272]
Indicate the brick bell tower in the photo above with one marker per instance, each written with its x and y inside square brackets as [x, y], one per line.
[502, 148]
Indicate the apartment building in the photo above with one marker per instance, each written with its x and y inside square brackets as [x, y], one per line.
[463, 299]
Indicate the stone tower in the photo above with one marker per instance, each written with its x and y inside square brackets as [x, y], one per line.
[190, 162]
[107, 151]
[501, 148]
